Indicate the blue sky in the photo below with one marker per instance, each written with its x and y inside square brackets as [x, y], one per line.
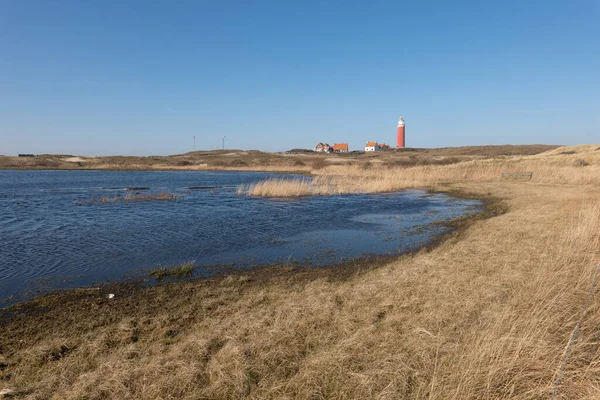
[144, 77]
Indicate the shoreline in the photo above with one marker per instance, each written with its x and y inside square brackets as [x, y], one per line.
[254, 160]
[233, 169]
[484, 312]
[491, 207]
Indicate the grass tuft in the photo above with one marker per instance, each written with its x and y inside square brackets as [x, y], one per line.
[180, 271]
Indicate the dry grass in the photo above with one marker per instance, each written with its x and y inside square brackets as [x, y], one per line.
[290, 187]
[578, 165]
[253, 160]
[485, 315]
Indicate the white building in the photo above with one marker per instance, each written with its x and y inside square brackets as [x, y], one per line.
[323, 148]
[371, 146]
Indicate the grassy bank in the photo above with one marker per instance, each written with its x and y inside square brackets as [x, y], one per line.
[486, 314]
[253, 160]
[578, 165]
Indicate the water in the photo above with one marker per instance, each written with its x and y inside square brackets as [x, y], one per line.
[47, 241]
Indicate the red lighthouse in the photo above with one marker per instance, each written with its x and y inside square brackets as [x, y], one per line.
[400, 138]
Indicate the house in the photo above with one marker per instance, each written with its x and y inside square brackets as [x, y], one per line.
[384, 147]
[340, 148]
[323, 148]
[372, 146]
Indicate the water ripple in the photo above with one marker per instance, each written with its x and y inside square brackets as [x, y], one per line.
[47, 238]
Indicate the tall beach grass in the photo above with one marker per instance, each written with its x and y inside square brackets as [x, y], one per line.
[559, 167]
[490, 313]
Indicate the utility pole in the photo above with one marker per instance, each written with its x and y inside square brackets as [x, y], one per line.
[224, 142]
[194, 142]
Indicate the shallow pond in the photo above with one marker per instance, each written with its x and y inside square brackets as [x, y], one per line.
[49, 240]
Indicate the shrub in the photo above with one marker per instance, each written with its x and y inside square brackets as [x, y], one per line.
[319, 164]
[238, 163]
[580, 163]
[299, 151]
[403, 163]
[414, 161]
[48, 163]
[446, 161]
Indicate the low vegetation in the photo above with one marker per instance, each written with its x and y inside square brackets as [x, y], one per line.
[507, 307]
[132, 196]
[179, 271]
[580, 166]
[289, 187]
[295, 160]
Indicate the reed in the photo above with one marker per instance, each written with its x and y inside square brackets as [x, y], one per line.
[580, 166]
[290, 187]
[487, 314]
